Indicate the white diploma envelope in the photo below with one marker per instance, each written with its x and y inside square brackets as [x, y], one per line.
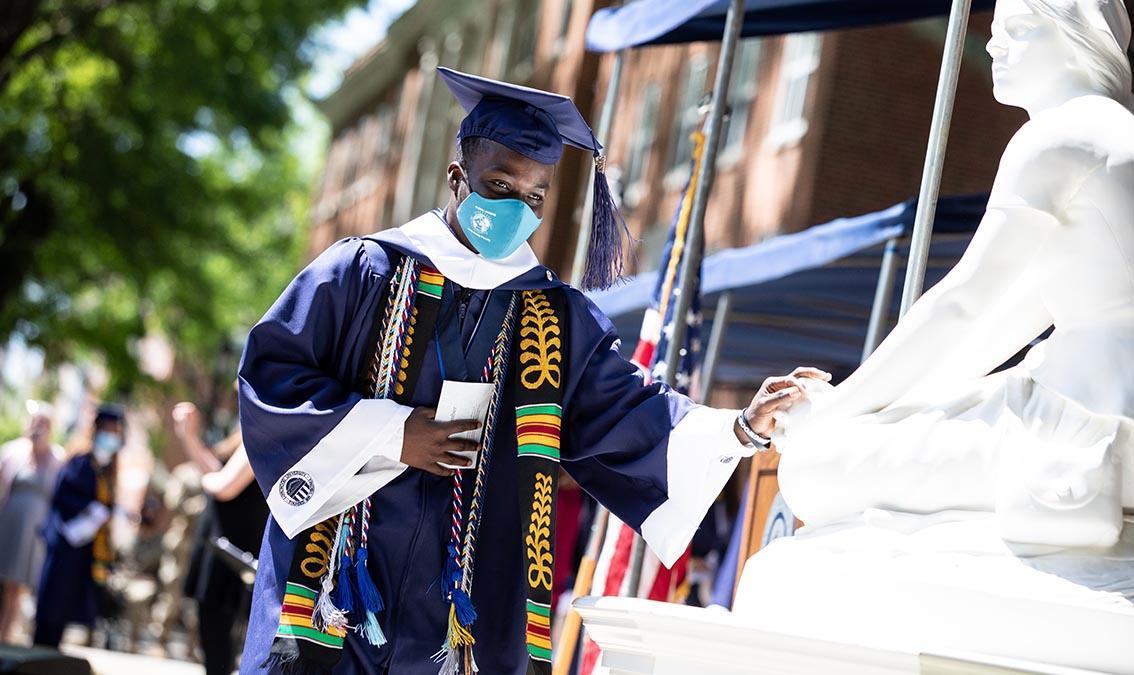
[464, 401]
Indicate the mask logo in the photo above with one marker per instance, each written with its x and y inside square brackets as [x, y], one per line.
[296, 488]
[481, 221]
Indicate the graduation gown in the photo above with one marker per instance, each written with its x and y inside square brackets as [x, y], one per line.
[67, 591]
[649, 454]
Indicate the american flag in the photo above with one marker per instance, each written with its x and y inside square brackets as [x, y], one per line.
[612, 575]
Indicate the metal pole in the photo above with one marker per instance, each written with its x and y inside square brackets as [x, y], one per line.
[634, 566]
[692, 259]
[713, 351]
[605, 120]
[935, 153]
[883, 295]
[572, 629]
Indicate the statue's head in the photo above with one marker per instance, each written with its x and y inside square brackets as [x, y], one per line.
[1040, 44]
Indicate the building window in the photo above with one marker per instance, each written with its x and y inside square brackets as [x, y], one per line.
[521, 53]
[744, 82]
[641, 141]
[688, 115]
[565, 19]
[385, 117]
[502, 39]
[352, 156]
[800, 61]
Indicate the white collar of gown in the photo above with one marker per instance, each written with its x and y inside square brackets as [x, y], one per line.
[429, 235]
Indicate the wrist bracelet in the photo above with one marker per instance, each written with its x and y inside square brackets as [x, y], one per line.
[762, 443]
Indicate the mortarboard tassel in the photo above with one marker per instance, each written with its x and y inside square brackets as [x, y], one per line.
[604, 254]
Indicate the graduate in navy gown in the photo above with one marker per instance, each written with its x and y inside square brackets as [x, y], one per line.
[379, 557]
[77, 533]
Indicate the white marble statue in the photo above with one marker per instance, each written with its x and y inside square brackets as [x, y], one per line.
[958, 521]
[1048, 445]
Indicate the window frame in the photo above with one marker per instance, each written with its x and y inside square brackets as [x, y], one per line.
[797, 69]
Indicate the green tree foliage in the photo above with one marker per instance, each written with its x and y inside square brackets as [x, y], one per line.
[147, 180]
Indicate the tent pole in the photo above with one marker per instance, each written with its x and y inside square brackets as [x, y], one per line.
[691, 260]
[713, 351]
[606, 118]
[883, 295]
[935, 153]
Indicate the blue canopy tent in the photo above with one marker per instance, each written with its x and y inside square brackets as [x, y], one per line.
[661, 22]
[806, 297]
[670, 21]
[651, 22]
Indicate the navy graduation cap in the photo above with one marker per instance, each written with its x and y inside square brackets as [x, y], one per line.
[536, 124]
[110, 412]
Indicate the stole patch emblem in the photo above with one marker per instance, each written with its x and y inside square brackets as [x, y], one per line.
[539, 342]
[296, 488]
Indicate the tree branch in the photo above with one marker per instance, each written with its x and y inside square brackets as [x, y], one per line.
[64, 25]
[16, 17]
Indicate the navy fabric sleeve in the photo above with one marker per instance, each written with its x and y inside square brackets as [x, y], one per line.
[74, 487]
[617, 426]
[300, 363]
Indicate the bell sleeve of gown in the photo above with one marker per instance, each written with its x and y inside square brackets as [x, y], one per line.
[316, 445]
[649, 454]
[74, 507]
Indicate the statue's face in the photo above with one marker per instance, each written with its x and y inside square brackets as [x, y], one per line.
[1028, 52]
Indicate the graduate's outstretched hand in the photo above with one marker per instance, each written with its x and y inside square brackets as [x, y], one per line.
[777, 393]
[425, 442]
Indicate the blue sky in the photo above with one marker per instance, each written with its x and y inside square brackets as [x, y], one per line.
[339, 43]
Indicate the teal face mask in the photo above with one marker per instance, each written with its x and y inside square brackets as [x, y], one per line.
[496, 227]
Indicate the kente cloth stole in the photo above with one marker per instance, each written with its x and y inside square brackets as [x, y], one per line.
[322, 583]
[540, 377]
[103, 552]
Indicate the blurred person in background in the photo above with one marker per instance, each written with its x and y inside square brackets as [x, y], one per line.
[29, 466]
[237, 512]
[77, 532]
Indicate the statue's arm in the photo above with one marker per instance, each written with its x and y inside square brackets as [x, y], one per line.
[988, 307]
[970, 300]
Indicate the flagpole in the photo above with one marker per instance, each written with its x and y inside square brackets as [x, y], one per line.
[935, 154]
[691, 259]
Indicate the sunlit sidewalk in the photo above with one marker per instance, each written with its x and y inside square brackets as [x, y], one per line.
[117, 663]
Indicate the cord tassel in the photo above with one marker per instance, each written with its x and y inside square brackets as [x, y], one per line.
[370, 601]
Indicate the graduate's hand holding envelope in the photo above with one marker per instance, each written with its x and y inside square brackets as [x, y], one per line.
[448, 437]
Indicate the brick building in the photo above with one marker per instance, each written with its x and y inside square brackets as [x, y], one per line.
[823, 125]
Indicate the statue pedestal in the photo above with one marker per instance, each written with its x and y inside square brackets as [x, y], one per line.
[891, 593]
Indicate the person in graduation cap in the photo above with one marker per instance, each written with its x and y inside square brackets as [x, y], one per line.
[397, 546]
[80, 554]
